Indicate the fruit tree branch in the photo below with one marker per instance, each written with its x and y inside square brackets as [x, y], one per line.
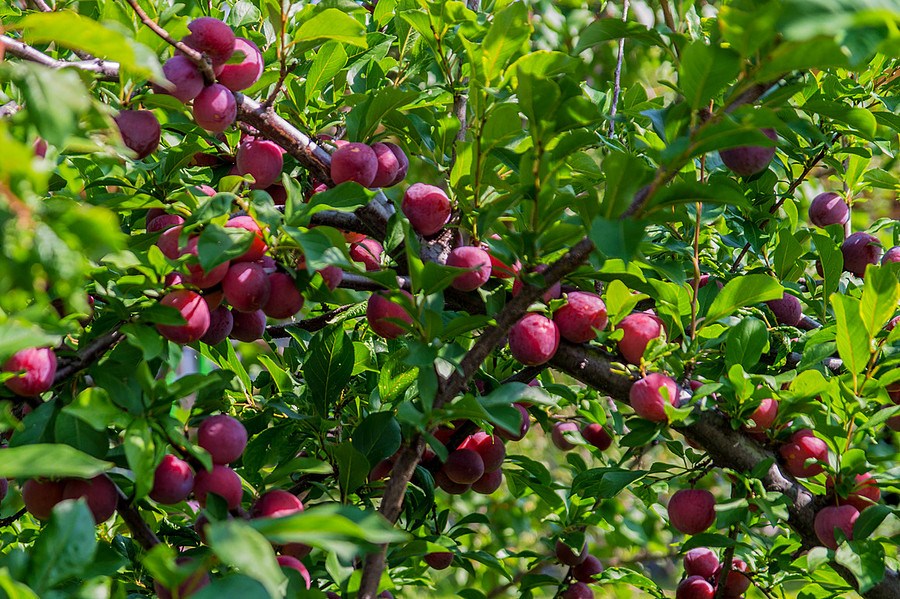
[139, 529]
[617, 76]
[309, 324]
[87, 356]
[107, 71]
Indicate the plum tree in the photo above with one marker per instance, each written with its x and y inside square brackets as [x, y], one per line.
[473, 258]
[354, 162]
[140, 131]
[382, 311]
[804, 454]
[828, 208]
[558, 435]
[649, 395]
[222, 481]
[581, 317]
[215, 108]
[34, 369]
[427, 207]
[212, 37]
[173, 481]
[185, 80]
[285, 300]
[99, 492]
[639, 328]
[860, 249]
[194, 311]
[533, 340]
[223, 436]
[260, 158]
[787, 310]
[238, 76]
[750, 160]
[692, 511]
[247, 287]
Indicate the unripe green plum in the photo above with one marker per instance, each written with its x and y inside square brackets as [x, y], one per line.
[35, 368]
[223, 436]
[692, 511]
[533, 340]
[194, 310]
[215, 108]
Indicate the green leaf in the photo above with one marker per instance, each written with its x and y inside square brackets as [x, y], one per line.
[79, 434]
[55, 99]
[818, 53]
[743, 291]
[625, 174]
[330, 24]
[242, 547]
[364, 117]
[745, 343]
[377, 437]
[858, 119]
[65, 547]
[606, 30]
[508, 32]
[218, 245]
[832, 260]
[328, 368]
[605, 483]
[864, 559]
[353, 467]
[880, 296]
[140, 453]
[51, 460]
[705, 71]
[853, 341]
[617, 238]
[329, 60]
[620, 301]
[233, 586]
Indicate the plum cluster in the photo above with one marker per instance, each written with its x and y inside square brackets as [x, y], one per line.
[41, 495]
[702, 573]
[583, 568]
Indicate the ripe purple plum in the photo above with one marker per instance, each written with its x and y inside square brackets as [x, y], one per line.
[199, 277]
[639, 329]
[488, 483]
[381, 311]
[402, 162]
[164, 222]
[597, 436]
[276, 504]
[215, 108]
[695, 587]
[222, 481]
[523, 427]
[692, 511]
[168, 242]
[533, 340]
[427, 207]
[220, 324]
[787, 310]
[448, 486]
[194, 310]
[140, 131]
[803, 454]
[702, 562]
[278, 193]
[830, 518]
[763, 416]
[40, 496]
[749, 160]
[257, 246]
[354, 162]
[489, 447]
[248, 326]
[99, 492]
[587, 570]
[173, 481]
[223, 436]
[241, 75]
[464, 466]
[859, 250]
[332, 276]
[578, 590]
[287, 561]
[185, 78]
[261, 158]
[647, 398]
[737, 583]
[285, 299]
[246, 286]
[439, 560]
[212, 37]
[570, 556]
[559, 432]
[368, 252]
[473, 258]
[388, 165]
[865, 492]
[580, 318]
[828, 208]
[36, 368]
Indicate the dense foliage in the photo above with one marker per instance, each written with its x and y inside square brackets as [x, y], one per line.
[436, 298]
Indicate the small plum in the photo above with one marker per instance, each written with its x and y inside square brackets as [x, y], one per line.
[475, 259]
[701, 561]
[749, 160]
[332, 276]
[587, 570]
[865, 492]
[199, 277]
[559, 433]
[489, 482]
[246, 286]
[368, 251]
[287, 561]
[381, 470]
[276, 504]
[763, 416]
[257, 246]
[427, 207]
[222, 481]
[381, 311]
[804, 447]
[140, 131]
[194, 310]
[163, 222]
[892, 255]
[439, 560]
[354, 162]
[692, 511]
[40, 496]
[99, 492]
[647, 399]
[580, 318]
[695, 587]
[220, 324]
[639, 329]
[168, 242]
[464, 466]
[285, 299]
[36, 368]
[223, 436]
[578, 590]
[402, 162]
[489, 447]
[828, 208]
[737, 582]
[597, 436]
[523, 427]
[453, 488]
[278, 193]
[787, 310]
[248, 326]
[569, 556]
[173, 481]
[215, 108]
[533, 340]
[828, 518]
[185, 77]
[388, 165]
[241, 75]
[261, 158]
[859, 250]
[212, 37]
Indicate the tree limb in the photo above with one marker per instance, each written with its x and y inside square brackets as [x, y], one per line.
[105, 70]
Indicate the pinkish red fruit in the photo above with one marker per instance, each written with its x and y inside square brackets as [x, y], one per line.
[40, 496]
[559, 432]
[388, 165]
[587, 570]
[702, 562]
[488, 483]
[99, 492]
[580, 318]
[246, 286]
[173, 481]
[749, 160]
[223, 436]
[472, 258]
[248, 326]
[168, 242]
[222, 481]
[381, 311]
[194, 311]
[578, 590]
[368, 252]
[185, 78]
[692, 511]
[163, 222]
[695, 587]
[828, 208]
[36, 368]
[464, 466]
[489, 447]
[220, 324]
[859, 250]
[569, 556]
[199, 277]
[354, 162]
[448, 486]
[286, 561]
[257, 246]
[804, 453]
[737, 583]
[639, 329]
[427, 207]
[533, 340]
[787, 310]
[523, 427]
[332, 276]
[649, 395]
[892, 255]
[241, 75]
[276, 504]
[402, 162]
[830, 518]
[439, 560]
[285, 299]
[215, 108]
[140, 131]
[865, 492]
[763, 416]
[597, 436]
[260, 158]
[211, 37]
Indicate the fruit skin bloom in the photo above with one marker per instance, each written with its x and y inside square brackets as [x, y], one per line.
[533, 340]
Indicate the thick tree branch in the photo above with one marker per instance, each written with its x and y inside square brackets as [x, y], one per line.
[106, 71]
[87, 356]
[140, 530]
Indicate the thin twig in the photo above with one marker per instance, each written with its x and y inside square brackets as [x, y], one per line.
[310, 324]
[10, 519]
[617, 76]
[107, 71]
[88, 355]
[132, 517]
